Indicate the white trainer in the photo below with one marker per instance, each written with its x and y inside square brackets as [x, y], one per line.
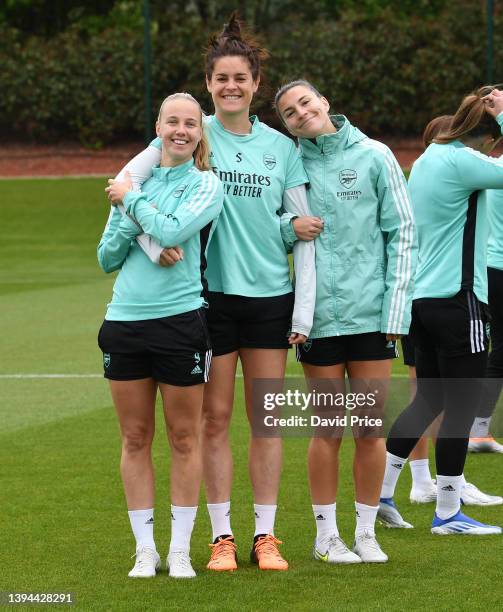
[179, 566]
[423, 494]
[368, 549]
[473, 496]
[484, 445]
[146, 564]
[333, 550]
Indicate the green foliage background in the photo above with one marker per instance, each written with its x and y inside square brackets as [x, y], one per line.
[72, 70]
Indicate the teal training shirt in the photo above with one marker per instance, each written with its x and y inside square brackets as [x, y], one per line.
[176, 207]
[247, 255]
[447, 186]
[495, 218]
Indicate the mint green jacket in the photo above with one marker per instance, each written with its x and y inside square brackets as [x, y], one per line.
[366, 253]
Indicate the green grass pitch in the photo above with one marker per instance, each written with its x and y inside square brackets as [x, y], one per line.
[64, 521]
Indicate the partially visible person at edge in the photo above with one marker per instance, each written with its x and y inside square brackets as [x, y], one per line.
[250, 294]
[424, 489]
[365, 261]
[447, 185]
[155, 333]
[481, 439]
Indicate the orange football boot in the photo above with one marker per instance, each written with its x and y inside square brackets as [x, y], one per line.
[223, 555]
[265, 552]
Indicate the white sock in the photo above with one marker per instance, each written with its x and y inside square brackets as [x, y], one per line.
[142, 524]
[182, 523]
[326, 523]
[448, 495]
[220, 517]
[420, 470]
[480, 427]
[394, 466]
[463, 480]
[264, 519]
[365, 518]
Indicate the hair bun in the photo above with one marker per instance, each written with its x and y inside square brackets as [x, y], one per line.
[232, 30]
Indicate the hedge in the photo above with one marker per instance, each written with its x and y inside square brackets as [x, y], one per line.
[388, 74]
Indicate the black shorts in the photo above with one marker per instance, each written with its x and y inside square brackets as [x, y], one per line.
[237, 321]
[408, 350]
[372, 346]
[450, 326]
[173, 350]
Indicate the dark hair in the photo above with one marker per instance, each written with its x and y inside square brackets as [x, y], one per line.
[434, 127]
[471, 119]
[234, 40]
[284, 88]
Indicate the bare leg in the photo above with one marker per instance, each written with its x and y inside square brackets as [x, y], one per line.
[217, 412]
[135, 405]
[323, 453]
[265, 454]
[182, 412]
[370, 454]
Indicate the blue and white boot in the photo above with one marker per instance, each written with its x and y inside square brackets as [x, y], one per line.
[460, 524]
[389, 516]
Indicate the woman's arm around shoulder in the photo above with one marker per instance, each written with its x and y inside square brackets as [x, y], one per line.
[202, 204]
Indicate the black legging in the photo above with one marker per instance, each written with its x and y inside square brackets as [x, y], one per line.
[494, 373]
[451, 384]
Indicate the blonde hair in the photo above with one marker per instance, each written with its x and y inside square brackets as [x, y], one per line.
[471, 119]
[201, 154]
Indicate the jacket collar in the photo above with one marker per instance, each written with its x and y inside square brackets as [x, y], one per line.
[330, 144]
[171, 173]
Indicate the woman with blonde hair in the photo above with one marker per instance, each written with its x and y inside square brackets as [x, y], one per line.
[155, 335]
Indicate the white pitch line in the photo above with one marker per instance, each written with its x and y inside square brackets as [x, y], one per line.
[22, 376]
[61, 376]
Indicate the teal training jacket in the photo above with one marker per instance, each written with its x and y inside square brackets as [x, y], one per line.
[178, 206]
[447, 185]
[366, 254]
[495, 218]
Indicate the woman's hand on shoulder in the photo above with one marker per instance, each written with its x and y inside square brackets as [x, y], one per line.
[116, 190]
[296, 338]
[170, 256]
[307, 228]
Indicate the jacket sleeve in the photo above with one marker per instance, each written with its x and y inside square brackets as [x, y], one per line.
[287, 232]
[202, 205]
[304, 263]
[119, 233]
[140, 169]
[478, 171]
[397, 224]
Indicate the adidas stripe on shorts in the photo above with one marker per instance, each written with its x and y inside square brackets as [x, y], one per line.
[450, 326]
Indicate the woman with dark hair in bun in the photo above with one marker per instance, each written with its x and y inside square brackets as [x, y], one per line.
[250, 294]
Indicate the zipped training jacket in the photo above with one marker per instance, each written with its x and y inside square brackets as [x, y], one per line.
[366, 253]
